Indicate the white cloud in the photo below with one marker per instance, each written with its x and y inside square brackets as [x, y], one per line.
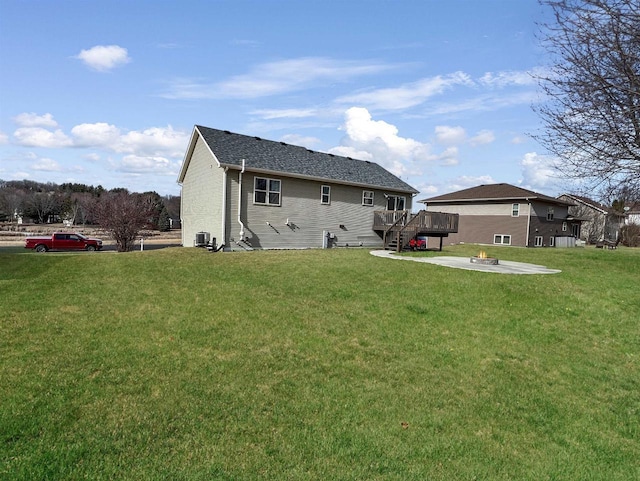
[154, 141]
[34, 120]
[408, 95]
[4, 138]
[274, 78]
[148, 150]
[95, 135]
[145, 164]
[447, 135]
[377, 140]
[538, 171]
[507, 78]
[518, 139]
[466, 181]
[104, 57]
[47, 165]
[346, 151]
[448, 157]
[482, 137]
[483, 103]
[300, 140]
[39, 137]
[270, 114]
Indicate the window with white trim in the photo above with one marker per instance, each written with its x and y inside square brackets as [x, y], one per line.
[537, 242]
[515, 210]
[325, 194]
[266, 191]
[552, 241]
[504, 239]
[367, 197]
[564, 227]
[549, 213]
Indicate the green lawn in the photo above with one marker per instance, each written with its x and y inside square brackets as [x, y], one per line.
[318, 365]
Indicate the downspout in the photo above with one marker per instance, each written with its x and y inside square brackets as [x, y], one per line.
[526, 241]
[224, 205]
[240, 202]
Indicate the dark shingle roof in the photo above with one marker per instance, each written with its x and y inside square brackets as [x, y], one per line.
[493, 192]
[278, 157]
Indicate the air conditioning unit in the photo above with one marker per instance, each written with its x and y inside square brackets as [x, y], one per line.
[202, 239]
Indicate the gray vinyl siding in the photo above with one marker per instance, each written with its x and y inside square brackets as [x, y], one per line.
[300, 204]
[201, 206]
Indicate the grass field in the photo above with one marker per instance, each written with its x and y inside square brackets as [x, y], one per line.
[318, 365]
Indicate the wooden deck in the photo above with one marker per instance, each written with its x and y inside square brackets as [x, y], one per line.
[399, 227]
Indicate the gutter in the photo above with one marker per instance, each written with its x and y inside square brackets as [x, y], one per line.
[224, 206]
[240, 202]
[526, 241]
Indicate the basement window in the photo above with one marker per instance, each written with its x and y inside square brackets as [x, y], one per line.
[266, 191]
[503, 239]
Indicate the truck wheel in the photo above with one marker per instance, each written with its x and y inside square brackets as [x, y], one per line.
[91, 248]
[41, 248]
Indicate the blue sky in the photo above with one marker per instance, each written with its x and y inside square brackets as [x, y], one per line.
[108, 92]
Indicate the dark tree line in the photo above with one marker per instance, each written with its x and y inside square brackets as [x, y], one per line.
[78, 204]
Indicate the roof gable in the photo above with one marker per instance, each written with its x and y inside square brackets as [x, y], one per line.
[260, 155]
[588, 202]
[493, 192]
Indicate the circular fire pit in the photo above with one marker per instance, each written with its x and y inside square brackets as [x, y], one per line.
[487, 261]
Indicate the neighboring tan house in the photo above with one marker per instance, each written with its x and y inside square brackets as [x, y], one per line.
[632, 214]
[599, 222]
[504, 214]
[250, 193]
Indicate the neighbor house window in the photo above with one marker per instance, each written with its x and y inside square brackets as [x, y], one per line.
[266, 191]
[538, 241]
[549, 213]
[515, 210]
[552, 241]
[367, 197]
[325, 194]
[564, 227]
[502, 239]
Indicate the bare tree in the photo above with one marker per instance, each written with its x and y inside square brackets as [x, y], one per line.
[41, 205]
[124, 215]
[592, 108]
[11, 202]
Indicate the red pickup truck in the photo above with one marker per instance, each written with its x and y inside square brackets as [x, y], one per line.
[62, 241]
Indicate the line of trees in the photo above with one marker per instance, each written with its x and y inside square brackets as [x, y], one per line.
[122, 213]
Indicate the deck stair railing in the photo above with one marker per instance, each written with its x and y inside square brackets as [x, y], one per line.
[399, 227]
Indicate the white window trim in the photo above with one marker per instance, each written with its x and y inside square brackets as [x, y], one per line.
[515, 210]
[328, 194]
[552, 241]
[502, 239]
[550, 213]
[538, 241]
[366, 199]
[564, 227]
[267, 192]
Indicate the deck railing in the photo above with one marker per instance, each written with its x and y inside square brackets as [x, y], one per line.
[422, 222]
